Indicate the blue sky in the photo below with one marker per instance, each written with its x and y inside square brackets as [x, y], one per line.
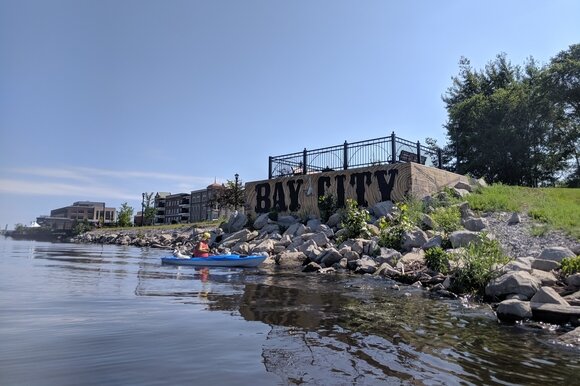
[103, 100]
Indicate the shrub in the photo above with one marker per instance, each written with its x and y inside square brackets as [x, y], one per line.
[326, 206]
[391, 235]
[437, 259]
[355, 220]
[446, 219]
[273, 215]
[478, 265]
[570, 265]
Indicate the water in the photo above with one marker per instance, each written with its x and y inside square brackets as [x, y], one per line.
[96, 315]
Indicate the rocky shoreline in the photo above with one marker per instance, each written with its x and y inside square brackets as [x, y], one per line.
[530, 289]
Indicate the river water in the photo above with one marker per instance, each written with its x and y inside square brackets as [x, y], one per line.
[110, 315]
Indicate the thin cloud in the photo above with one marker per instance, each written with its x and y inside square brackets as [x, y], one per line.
[36, 188]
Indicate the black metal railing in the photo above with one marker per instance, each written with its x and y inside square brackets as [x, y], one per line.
[378, 151]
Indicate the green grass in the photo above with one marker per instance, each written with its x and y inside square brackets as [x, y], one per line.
[559, 208]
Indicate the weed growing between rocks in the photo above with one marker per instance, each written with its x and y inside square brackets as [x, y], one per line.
[477, 265]
[355, 221]
[570, 265]
[437, 259]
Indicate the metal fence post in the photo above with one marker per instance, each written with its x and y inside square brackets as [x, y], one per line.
[439, 159]
[345, 156]
[418, 152]
[393, 148]
[270, 167]
[304, 167]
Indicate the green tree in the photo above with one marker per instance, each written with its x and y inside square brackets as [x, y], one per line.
[148, 210]
[233, 196]
[125, 215]
[505, 124]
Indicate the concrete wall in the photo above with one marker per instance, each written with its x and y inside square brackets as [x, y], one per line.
[299, 194]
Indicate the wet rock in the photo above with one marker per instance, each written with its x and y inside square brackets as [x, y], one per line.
[311, 267]
[513, 310]
[570, 339]
[290, 259]
[556, 313]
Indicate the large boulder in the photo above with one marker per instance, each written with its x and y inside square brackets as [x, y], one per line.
[512, 310]
[290, 259]
[414, 239]
[548, 295]
[556, 253]
[474, 224]
[545, 265]
[382, 209]
[236, 222]
[261, 221]
[516, 282]
[330, 257]
[464, 238]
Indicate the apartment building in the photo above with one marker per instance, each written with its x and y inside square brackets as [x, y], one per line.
[159, 205]
[66, 217]
[177, 208]
[204, 203]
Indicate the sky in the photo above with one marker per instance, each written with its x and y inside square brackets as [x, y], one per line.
[102, 100]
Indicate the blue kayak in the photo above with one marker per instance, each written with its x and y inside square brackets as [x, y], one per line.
[216, 261]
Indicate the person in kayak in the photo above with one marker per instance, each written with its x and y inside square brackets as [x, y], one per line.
[202, 248]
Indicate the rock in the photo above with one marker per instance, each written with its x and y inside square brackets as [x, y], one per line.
[311, 267]
[295, 229]
[574, 280]
[319, 238]
[474, 224]
[433, 242]
[516, 265]
[286, 221]
[417, 256]
[334, 220]
[546, 278]
[513, 310]
[545, 265]
[236, 222]
[464, 238]
[555, 313]
[241, 235]
[464, 186]
[414, 239]
[330, 257]
[261, 221]
[459, 193]
[265, 246]
[427, 221]
[514, 219]
[548, 295]
[388, 255]
[382, 209]
[290, 259]
[570, 339]
[269, 229]
[314, 224]
[464, 210]
[365, 265]
[573, 299]
[517, 282]
[556, 254]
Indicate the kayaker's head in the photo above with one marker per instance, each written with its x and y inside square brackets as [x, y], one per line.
[205, 236]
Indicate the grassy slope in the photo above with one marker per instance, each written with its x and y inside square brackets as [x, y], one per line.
[557, 207]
